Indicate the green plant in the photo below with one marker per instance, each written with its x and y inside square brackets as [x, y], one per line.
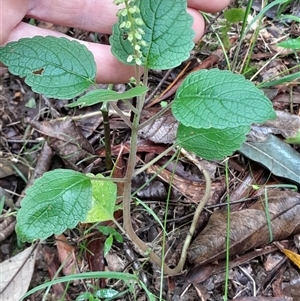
[214, 108]
[232, 15]
[127, 278]
[99, 294]
[112, 234]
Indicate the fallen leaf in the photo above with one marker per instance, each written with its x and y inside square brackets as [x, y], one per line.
[146, 190]
[293, 290]
[66, 140]
[193, 190]
[280, 158]
[95, 256]
[53, 265]
[161, 130]
[66, 254]
[286, 124]
[16, 273]
[294, 257]
[248, 228]
[8, 167]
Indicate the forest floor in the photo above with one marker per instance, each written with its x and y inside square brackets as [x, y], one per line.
[258, 269]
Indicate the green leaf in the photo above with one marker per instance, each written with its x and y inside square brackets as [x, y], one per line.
[104, 198]
[56, 201]
[106, 230]
[280, 81]
[289, 17]
[153, 214]
[280, 158]
[290, 44]
[168, 34]
[107, 244]
[106, 293]
[211, 144]
[293, 140]
[126, 277]
[85, 296]
[118, 237]
[56, 67]
[220, 99]
[234, 15]
[101, 95]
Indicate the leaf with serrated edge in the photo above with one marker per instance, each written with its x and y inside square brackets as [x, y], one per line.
[56, 67]
[220, 99]
[56, 201]
[101, 95]
[280, 158]
[104, 199]
[211, 144]
[168, 35]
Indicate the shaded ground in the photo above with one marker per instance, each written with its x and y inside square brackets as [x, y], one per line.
[264, 271]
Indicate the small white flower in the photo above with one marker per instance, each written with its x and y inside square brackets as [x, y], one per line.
[138, 61]
[123, 24]
[138, 36]
[132, 9]
[130, 37]
[143, 43]
[140, 30]
[128, 24]
[129, 59]
[139, 21]
[124, 12]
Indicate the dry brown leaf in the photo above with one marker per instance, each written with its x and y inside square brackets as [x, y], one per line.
[293, 290]
[66, 140]
[16, 273]
[66, 254]
[248, 228]
[194, 191]
[8, 167]
[285, 124]
[162, 130]
[154, 190]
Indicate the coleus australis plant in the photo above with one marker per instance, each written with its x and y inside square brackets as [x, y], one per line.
[214, 108]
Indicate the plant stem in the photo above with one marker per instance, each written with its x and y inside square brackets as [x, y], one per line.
[158, 114]
[127, 199]
[120, 113]
[108, 159]
[146, 166]
[225, 297]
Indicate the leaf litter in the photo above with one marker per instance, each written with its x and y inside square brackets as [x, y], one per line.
[283, 205]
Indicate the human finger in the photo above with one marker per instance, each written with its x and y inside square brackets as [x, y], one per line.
[95, 15]
[89, 15]
[11, 13]
[109, 69]
[211, 6]
[198, 23]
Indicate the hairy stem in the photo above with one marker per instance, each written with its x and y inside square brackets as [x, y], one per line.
[127, 198]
